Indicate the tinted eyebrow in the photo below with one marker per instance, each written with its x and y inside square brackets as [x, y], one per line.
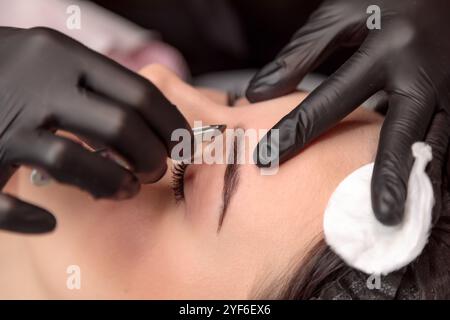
[230, 180]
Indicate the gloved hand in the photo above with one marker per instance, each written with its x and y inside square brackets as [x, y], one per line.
[438, 137]
[408, 58]
[48, 82]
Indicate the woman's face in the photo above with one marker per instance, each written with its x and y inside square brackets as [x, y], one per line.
[153, 247]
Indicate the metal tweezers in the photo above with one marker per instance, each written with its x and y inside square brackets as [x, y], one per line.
[207, 133]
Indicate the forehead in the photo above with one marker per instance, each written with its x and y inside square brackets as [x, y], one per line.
[283, 212]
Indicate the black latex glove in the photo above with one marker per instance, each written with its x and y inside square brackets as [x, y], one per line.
[409, 58]
[438, 138]
[48, 82]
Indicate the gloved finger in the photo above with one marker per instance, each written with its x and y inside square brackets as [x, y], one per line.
[382, 104]
[19, 216]
[311, 45]
[119, 128]
[334, 99]
[70, 163]
[114, 82]
[438, 138]
[406, 122]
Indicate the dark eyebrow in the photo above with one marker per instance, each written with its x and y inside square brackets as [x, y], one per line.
[230, 180]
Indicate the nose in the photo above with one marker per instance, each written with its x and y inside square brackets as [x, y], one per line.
[195, 104]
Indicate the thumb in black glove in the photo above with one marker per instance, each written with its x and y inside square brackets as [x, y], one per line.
[409, 58]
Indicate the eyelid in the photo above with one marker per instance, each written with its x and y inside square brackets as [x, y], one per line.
[179, 168]
[231, 179]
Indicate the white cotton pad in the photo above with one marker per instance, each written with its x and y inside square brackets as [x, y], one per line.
[353, 232]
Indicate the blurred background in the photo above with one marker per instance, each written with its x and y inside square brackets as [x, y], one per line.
[217, 35]
[203, 41]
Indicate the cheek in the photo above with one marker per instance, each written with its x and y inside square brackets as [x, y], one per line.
[124, 249]
[186, 265]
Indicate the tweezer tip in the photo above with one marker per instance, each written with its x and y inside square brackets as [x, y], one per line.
[221, 127]
[201, 130]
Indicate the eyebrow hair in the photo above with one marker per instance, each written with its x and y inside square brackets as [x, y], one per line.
[230, 181]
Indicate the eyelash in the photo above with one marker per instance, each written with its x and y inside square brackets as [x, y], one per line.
[178, 171]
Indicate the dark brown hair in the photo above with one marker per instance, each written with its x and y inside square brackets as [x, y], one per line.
[428, 277]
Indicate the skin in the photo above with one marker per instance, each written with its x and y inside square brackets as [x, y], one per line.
[152, 247]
